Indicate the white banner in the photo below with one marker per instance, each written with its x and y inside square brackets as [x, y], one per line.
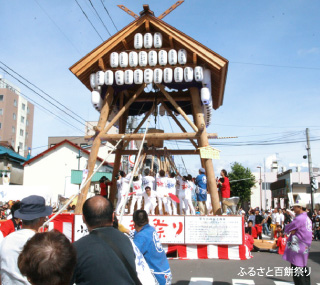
[169, 228]
[213, 230]
[80, 228]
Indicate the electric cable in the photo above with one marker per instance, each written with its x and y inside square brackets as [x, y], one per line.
[108, 15]
[100, 18]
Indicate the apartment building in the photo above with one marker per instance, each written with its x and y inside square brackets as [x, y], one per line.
[16, 118]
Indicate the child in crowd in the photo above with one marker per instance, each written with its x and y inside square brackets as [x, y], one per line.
[277, 232]
[248, 239]
[281, 242]
[252, 230]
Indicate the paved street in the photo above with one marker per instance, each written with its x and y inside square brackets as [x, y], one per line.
[223, 272]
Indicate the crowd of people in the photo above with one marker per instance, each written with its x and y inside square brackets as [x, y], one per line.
[160, 192]
[110, 254]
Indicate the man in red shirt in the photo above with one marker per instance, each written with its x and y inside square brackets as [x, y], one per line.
[12, 225]
[224, 185]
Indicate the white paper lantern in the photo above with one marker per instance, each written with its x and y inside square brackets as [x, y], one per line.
[93, 80]
[182, 56]
[153, 58]
[108, 77]
[99, 78]
[143, 58]
[173, 57]
[188, 74]
[148, 39]
[96, 100]
[178, 74]
[205, 95]
[157, 75]
[133, 59]
[123, 59]
[167, 75]
[207, 78]
[138, 76]
[157, 40]
[128, 77]
[138, 41]
[163, 57]
[162, 110]
[198, 73]
[148, 75]
[114, 59]
[119, 76]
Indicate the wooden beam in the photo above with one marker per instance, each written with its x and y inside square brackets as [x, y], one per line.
[178, 108]
[95, 148]
[194, 58]
[174, 6]
[140, 125]
[203, 141]
[101, 64]
[125, 44]
[163, 98]
[147, 25]
[160, 152]
[171, 42]
[124, 8]
[122, 111]
[177, 121]
[155, 136]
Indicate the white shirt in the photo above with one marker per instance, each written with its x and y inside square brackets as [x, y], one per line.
[125, 183]
[162, 186]
[277, 216]
[281, 218]
[148, 181]
[137, 185]
[10, 249]
[171, 185]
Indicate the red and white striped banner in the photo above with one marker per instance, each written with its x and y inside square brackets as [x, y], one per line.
[63, 223]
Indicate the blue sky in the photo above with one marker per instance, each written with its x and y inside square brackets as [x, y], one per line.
[272, 89]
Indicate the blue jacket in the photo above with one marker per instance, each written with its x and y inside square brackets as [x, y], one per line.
[148, 242]
[201, 182]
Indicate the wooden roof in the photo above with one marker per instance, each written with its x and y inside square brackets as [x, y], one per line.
[198, 54]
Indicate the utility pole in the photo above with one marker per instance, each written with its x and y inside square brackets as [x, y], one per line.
[260, 184]
[310, 168]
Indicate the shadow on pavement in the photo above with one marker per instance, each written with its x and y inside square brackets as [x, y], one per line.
[315, 257]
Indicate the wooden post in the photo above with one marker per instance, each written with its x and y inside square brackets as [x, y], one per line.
[95, 148]
[203, 141]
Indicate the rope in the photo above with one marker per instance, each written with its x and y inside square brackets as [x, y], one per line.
[84, 184]
[134, 170]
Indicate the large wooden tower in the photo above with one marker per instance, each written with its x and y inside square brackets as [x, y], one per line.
[180, 91]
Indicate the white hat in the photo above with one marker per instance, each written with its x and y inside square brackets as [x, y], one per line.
[202, 170]
[299, 204]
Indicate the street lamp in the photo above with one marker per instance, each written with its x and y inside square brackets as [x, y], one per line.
[260, 183]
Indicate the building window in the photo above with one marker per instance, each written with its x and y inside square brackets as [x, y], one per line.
[13, 129]
[21, 132]
[23, 106]
[15, 103]
[20, 146]
[27, 122]
[1, 97]
[22, 119]
[1, 112]
[28, 110]
[14, 116]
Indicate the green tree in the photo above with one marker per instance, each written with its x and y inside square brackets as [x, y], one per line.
[239, 187]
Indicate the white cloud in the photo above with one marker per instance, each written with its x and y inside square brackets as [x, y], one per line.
[313, 50]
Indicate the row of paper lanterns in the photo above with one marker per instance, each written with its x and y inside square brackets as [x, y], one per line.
[138, 76]
[147, 40]
[143, 58]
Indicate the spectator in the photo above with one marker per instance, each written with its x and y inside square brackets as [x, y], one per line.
[317, 229]
[287, 217]
[98, 252]
[265, 224]
[281, 242]
[225, 189]
[299, 242]
[11, 225]
[252, 217]
[248, 239]
[281, 218]
[252, 230]
[48, 259]
[32, 212]
[148, 242]
[201, 191]
[259, 220]
[277, 232]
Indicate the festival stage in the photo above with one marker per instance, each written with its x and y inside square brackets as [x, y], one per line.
[182, 237]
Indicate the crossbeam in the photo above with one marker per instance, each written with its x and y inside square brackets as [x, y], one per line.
[161, 152]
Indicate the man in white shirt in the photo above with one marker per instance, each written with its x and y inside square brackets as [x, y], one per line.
[32, 213]
[281, 218]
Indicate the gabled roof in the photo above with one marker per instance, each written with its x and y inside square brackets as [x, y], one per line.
[9, 152]
[60, 144]
[198, 54]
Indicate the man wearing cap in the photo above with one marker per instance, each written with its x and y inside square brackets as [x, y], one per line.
[201, 191]
[298, 244]
[32, 212]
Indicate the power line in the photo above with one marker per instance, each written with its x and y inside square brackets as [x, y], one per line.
[274, 65]
[99, 18]
[57, 26]
[89, 20]
[39, 105]
[109, 15]
[42, 96]
[42, 91]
